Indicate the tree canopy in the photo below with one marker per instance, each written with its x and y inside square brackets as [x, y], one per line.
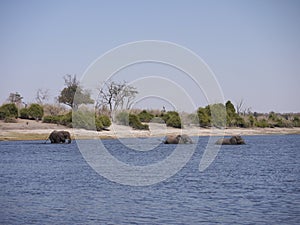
[67, 95]
[117, 96]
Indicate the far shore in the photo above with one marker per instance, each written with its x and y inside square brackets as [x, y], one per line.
[33, 130]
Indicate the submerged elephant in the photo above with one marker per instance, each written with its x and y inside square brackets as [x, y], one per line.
[178, 139]
[60, 137]
[234, 140]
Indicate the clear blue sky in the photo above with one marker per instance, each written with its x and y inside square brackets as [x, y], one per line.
[253, 47]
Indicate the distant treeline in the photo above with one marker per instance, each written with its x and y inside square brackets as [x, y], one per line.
[216, 115]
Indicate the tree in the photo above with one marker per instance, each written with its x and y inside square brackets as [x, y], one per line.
[42, 95]
[251, 120]
[204, 118]
[15, 98]
[239, 106]
[117, 96]
[8, 111]
[67, 95]
[218, 114]
[24, 114]
[231, 113]
[35, 111]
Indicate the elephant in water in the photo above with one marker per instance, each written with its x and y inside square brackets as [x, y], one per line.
[60, 137]
[234, 140]
[178, 139]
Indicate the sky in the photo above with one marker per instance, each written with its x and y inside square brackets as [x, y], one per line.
[253, 47]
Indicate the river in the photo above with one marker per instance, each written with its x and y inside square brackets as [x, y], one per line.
[256, 183]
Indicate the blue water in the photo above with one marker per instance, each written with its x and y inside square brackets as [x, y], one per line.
[257, 183]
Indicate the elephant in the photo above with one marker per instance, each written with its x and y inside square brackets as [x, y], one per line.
[178, 139]
[234, 140]
[60, 137]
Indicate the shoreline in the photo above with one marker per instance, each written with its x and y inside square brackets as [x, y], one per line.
[25, 130]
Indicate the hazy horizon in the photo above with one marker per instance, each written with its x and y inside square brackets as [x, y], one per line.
[252, 47]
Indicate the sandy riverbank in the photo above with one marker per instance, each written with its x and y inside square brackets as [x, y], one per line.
[32, 130]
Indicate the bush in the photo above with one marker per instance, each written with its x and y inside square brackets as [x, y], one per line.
[203, 117]
[240, 122]
[296, 121]
[251, 120]
[145, 116]
[135, 123]
[166, 116]
[24, 114]
[105, 120]
[52, 119]
[8, 110]
[174, 121]
[98, 123]
[84, 120]
[35, 111]
[217, 113]
[102, 122]
[122, 118]
[193, 118]
[262, 123]
[66, 119]
[4, 113]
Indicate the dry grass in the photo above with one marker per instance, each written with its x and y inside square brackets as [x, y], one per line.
[15, 136]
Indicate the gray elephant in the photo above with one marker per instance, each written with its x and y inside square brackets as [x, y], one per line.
[178, 139]
[234, 140]
[60, 137]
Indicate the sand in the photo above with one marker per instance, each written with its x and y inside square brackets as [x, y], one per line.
[33, 130]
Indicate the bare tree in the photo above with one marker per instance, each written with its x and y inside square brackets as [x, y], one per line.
[16, 98]
[239, 106]
[115, 96]
[42, 95]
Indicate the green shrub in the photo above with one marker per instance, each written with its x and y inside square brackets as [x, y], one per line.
[251, 120]
[240, 122]
[193, 118]
[102, 122]
[84, 120]
[217, 113]
[105, 120]
[81, 119]
[35, 111]
[66, 119]
[52, 119]
[145, 116]
[24, 114]
[166, 116]
[122, 118]
[262, 123]
[203, 117]
[135, 123]
[296, 121]
[174, 121]
[8, 110]
[98, 123]
[4, 113]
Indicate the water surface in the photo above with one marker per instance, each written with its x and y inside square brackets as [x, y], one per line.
[257, 183]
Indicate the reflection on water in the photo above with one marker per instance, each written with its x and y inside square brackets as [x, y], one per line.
[52, 184]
